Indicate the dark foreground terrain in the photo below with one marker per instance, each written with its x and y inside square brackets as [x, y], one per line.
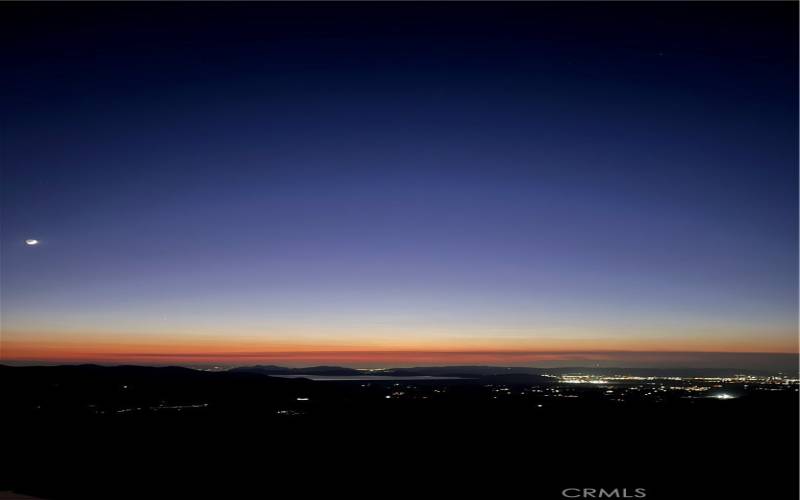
[89, 432]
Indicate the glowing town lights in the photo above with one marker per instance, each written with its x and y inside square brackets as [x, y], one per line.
[723, 396]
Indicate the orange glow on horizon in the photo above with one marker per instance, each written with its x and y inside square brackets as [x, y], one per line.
[218, 352]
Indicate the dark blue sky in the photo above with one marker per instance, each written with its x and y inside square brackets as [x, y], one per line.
[495, 176]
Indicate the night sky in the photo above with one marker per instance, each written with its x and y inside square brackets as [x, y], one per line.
[398, 184]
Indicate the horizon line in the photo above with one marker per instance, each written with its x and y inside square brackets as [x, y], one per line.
[411, 358]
